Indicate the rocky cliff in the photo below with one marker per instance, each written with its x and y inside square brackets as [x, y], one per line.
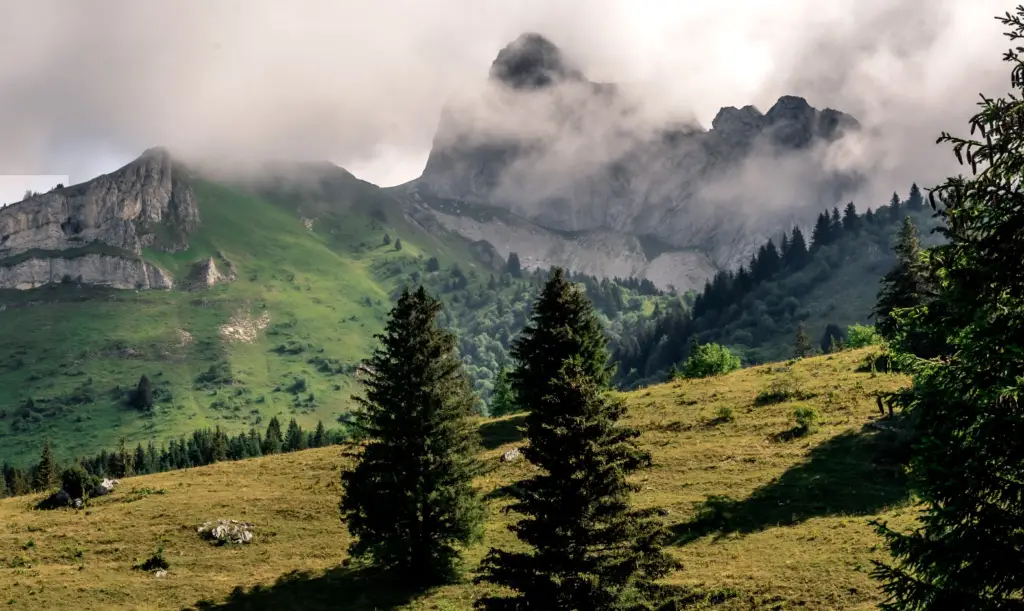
[92, 269]
[147, 203]
[570, 155]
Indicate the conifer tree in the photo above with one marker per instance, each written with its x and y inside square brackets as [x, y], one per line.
[19, 482]
[562, 325]
[589, 548]
[514, 268]
[835, 225]
[915, 201]
[142, 398]
[797, 249]
[320, 436]
[903, 286]
[895, 206]
[387, 239]
[503, 400]
[140, 460]
[851, 222]
[294, 440]
[4, 491]
[398, 243]
[822, 232]
[120, 462]
[802, 344]
[968, 462]
[409, 501]
[46, 471]
[273, 441]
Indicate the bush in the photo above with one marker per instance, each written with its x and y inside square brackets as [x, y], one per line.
[806, 420]
[155, 562]
[76, 482]
[859, 336]
[782, 388]
[725, 414]
[710, 360]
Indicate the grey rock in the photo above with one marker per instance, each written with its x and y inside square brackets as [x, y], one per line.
[160, 573]
[227, 531]
[682, 186]
[206, 274]
[93, 269]
[511, 455]
[77, 503]
[147, 203]
[105, 487]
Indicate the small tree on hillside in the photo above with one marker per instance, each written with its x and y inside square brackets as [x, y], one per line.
[833, 338]
[904, 285]
[398, 243]
[503, 399]
[409, 501]
[710, 360]
[802, 343]
[46, 471]
[589, 548]
[142, 398]
[514, 268]
[387, 239]
[320, 436]
[295, 439]
[273, 441]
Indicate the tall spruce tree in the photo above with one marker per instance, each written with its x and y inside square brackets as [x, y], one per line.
[797, 255]
[968, 464]
[915, 201]
[851, 221]
[903, 286]
[320, 435]
[562, 325]
[503, 399]
[895, 206]
[589, 549]
[273, 441]
[802, 343]
[409, 501]
[46, 470]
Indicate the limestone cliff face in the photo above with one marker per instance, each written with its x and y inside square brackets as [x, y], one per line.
[93, 269]
[47, 238]
[146, 203]
[570, 155]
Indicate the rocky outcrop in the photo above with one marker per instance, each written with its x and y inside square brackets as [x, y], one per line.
[93, 269]
[206, 273]
[571, 155]
[146, 203]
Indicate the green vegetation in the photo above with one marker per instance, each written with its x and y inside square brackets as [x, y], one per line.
[710, 360]
[963, 409]
[409, 502]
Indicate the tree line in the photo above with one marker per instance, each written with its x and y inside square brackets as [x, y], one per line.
[203, 447]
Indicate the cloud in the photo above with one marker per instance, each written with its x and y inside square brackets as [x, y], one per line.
[363, 83]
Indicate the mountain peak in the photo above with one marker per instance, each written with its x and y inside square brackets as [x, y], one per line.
[531, 61]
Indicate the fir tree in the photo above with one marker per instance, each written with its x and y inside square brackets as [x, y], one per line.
[4, 491]
[835, 224]
[915, 201]
[320, 436]
[589, 548]
[387, 239]
[802, 344]
[562, 325]
[797, 250]
[409, 502]
[140, 460]
[851, 222]
[903, 286]
[398, 243]
[273, 441]
[18, 484]
[119, 464]
[433, 264]
[968, 462]
[142, 398]
[503, 400]
[513, 267]
[895, 206]
[822, 233]
[294, 440]
[46, 471]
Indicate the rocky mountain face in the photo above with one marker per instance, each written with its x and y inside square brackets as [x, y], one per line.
[93, 232]
[588, 175]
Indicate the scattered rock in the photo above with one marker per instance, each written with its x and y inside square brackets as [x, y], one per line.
[243, 327]
[308, 223]
[512, 455]
[159, 573]
[184, 338]
[227, 531]
[77, 503]
[105, 487]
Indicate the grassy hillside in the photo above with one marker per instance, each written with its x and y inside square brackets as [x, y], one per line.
[776, 521]
[314, 281]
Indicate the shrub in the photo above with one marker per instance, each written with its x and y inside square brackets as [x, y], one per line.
[155, 562]
[76, 482]
[782, 388]
[859, 336]
[710, 360]
[806, 420]
[725, 414]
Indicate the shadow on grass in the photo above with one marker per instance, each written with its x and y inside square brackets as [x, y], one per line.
[499, 432]
[854, 473]
[339, 589]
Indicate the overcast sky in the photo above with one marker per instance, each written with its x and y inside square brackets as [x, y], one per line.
[86, 86]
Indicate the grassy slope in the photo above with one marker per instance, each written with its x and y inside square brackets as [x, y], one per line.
[794, 533]
[69, 348]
